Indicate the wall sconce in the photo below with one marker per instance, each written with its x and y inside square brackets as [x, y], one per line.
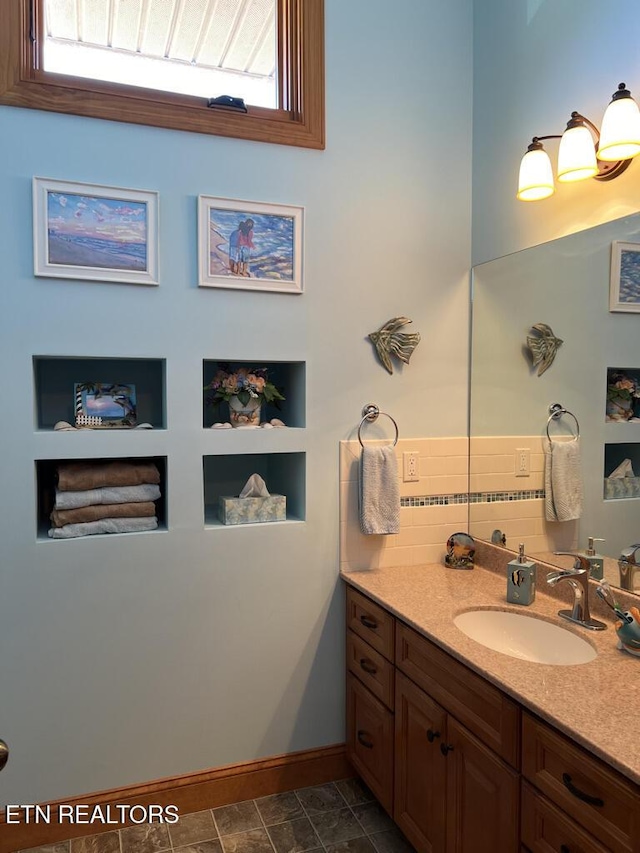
[579, 157]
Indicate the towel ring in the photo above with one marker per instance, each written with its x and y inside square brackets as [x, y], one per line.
[370, 413]
[556, 411]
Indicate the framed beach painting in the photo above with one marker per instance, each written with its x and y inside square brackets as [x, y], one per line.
[94, 233]
[249, 245]
[624, 287]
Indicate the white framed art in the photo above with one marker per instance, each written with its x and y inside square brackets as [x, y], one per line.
[95, 233]
[250, 245]
[624, 286]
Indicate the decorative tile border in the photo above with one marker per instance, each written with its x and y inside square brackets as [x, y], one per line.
[473, 498]
[435, 500]
[500, 497]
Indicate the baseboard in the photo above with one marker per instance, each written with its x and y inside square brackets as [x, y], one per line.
[191, 793]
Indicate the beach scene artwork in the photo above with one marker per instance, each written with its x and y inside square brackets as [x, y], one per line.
[112, 404]
[96, 232]
[256, 246]
[630, 276]
[625, 277]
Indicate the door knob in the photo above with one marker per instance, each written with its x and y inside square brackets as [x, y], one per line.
[4, 754]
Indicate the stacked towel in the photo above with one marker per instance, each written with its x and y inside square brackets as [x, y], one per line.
[379, 492]
[563, 480]
[104, 497]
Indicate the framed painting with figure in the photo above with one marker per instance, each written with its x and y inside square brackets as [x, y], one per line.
[95, 233]
[249, 245]
[624, 288]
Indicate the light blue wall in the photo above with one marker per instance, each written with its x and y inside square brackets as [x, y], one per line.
[128, 659]
[534, 62]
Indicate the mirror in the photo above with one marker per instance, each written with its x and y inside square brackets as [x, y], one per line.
[564, 284]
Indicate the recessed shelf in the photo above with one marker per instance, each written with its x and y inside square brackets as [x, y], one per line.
[288, 376]
[616, 455]
[55, 377]
[46, 479]
[624, 409]
[225, 475]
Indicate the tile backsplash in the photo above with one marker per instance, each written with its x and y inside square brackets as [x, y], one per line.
[448, 498]
[432, 508]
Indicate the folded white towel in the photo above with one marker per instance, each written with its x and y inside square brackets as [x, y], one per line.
[107, 495]
[104, 525]
[379, 490]
[562, 481]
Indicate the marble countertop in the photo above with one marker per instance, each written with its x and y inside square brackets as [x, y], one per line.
[597, 703]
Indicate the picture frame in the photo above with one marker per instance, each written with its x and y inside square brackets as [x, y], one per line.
[105, 405]
[624, 286]
[250, 245]
[95, 233]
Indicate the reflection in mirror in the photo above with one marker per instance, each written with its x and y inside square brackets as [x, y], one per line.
[564, 284]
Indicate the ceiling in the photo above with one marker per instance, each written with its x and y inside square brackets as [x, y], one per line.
[238, 35]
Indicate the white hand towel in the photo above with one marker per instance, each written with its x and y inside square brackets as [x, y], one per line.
[104, 525]
[379, 491]
[562, 481]
[107, 495]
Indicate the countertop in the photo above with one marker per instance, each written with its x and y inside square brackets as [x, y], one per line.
[597, 704]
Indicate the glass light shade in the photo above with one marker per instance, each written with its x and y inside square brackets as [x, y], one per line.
[620, 133]
[535, 181]
[576, 155]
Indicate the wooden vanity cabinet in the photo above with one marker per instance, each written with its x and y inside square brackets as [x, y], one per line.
[370, 694]
[452, 792]
[442, 749]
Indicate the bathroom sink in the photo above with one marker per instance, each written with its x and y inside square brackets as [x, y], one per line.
[525, 637]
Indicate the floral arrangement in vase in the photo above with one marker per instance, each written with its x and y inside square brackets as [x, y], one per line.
[623, 396]
[245, 390]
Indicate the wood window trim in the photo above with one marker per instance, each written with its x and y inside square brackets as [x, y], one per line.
[301, 83]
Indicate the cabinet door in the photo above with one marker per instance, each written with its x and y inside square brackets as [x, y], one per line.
[482, 796]
[370, 740]
[420, 790]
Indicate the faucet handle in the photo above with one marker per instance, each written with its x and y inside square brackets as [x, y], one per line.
[581, 562]
[629, 555]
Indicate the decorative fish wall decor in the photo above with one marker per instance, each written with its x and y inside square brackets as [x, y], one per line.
[543, 346]
[389, 341]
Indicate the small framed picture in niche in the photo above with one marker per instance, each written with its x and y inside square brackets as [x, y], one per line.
[95, 233]
[101, 405]
[624, 287]
[250, 245]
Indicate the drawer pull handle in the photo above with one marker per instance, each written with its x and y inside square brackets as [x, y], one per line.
[431, 735]
[368, 622]
[368, 666]
[564, 849]
[365, 740]
[586, 798]
[445, 748]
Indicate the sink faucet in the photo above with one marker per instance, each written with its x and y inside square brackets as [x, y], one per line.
[578, 577]
[628, 565]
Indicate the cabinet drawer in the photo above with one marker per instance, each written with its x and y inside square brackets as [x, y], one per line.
[545, 829]
[371, 622]
[374, 671]
[480, 706]
[601, 800]
[370, 740]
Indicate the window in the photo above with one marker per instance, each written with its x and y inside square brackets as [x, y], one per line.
[272, 48]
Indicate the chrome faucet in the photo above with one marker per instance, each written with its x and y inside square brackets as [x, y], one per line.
[578, 577]
[628, 565]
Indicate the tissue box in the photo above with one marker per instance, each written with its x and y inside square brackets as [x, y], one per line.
[621, 487]
[252, 510]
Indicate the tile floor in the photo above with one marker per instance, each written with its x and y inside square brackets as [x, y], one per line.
[340, 817]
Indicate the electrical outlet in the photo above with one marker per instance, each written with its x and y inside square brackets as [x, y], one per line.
[523, 462]
[410, 473]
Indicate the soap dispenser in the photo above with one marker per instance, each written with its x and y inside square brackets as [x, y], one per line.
[521, 579]
[596, 561]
